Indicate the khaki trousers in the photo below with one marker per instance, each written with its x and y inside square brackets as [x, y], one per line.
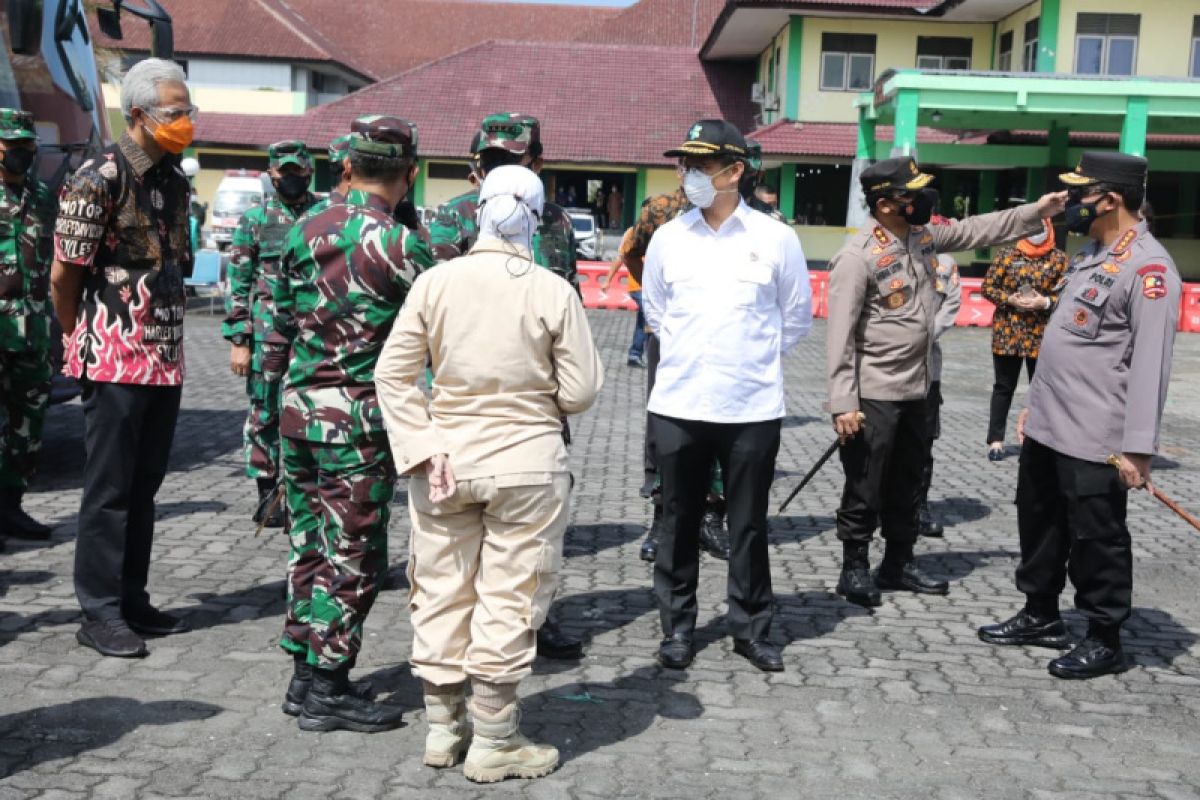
[483, 567]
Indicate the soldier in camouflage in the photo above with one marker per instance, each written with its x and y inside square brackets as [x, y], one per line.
[752, 182]
[339, 173]
[344, 275]
[513, 139]
[254, 255]
[506, 139]
[26, 217]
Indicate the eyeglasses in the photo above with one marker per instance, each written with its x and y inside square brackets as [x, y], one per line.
[172, 114]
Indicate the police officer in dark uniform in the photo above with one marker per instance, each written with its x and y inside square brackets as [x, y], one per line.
[883, 304]
[1092, 424]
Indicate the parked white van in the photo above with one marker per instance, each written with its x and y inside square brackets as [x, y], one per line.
[237, 192]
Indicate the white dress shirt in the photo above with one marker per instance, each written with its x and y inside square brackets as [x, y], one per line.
[726, 305]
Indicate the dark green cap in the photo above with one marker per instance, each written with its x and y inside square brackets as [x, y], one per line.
[16, 124]
[388, 137]
[291, 151]
[512, 132]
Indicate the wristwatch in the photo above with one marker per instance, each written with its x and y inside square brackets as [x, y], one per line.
[239, 340]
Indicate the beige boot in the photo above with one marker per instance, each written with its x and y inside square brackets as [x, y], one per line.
[449, 729]
[499, 751]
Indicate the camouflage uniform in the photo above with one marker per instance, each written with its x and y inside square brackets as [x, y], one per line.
[26, 219]
[335, 300]
[454, 229]
[255, 252]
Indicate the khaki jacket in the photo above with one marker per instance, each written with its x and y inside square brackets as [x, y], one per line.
[512, 353]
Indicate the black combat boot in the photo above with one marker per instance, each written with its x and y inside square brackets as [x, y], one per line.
[855, 583]
[554, 643]
[15, 523]
[899, 572]
[266, 495]
[1099, 653]
[332, 704]
[298, 686]
[714, 538]
[649, 551]
[926, 524]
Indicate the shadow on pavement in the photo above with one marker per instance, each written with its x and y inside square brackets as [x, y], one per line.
[797, 528]
[67, 729]
[590, 539]
[810, 615]
[951, 511]
[254, 602]
[1155, 639]
[13, 577]
[581, 718]
[953, 566]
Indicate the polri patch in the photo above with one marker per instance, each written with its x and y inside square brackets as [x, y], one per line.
[1153, 287]
[1091, 293]
[1081, 317]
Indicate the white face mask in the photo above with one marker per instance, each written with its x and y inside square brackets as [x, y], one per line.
[699, 188]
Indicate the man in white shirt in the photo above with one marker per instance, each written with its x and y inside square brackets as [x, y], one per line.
[726, 290]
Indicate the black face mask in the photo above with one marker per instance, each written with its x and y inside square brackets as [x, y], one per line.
[406, 214]
[919, 209]
[18, 161]
[1080, 216]
[291, 186]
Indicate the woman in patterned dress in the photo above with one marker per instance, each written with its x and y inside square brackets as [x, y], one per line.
[1022, 283]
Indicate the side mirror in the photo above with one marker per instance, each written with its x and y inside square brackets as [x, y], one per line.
[25, 26]
[162, 39]
[110, 22]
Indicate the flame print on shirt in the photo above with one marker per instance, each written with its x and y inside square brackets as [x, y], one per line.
[148, 350]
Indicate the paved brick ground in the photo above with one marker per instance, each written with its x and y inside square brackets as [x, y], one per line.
[901, 703]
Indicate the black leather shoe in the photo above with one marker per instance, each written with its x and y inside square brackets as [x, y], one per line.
[332, 705]
[909, 578]
[996, 453]
[556, 645]
[1027, 629]
[149, 621]
[15, 523]
[1091, 658]
[927, 525]
[760, 653]
[649, 551]
[675, 652]
[857, 586]
[714, 539]
[111, 637]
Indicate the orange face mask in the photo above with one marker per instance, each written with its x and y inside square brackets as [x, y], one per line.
[174, 136]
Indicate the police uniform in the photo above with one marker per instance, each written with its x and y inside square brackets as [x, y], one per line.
[26, 217]
[883, 305]
[255, 252]
[1099, 391]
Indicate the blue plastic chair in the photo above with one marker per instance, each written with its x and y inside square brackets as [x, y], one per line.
[206, 274]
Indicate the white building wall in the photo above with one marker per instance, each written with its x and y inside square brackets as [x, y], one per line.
[239, 74]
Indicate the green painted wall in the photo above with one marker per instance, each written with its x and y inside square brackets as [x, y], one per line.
[791, 104]
[1048, 36]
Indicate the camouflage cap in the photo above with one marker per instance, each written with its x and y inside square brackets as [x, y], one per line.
[389, 137]
[339, 147]
[290, 151]
[16, 124]
[512, 132]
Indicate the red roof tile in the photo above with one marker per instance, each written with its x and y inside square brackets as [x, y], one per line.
[606, 104]
[665, 23]
[378, 39]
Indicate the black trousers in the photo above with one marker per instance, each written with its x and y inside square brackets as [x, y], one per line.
[1071, 518]
[127, 437]
[883, 467]
[746, 452]
[933, 429]
[650, 458]
[1008, 372]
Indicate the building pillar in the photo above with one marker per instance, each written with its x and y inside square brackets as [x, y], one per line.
[791, 104]
[418, 189]
[1133, 129]
[987, 191]
[864, 153]
[1035, 183]
[904, 140]
[1046, 60]
[787, 191]
[1189, 193]
[641, 187]
[1058, 140]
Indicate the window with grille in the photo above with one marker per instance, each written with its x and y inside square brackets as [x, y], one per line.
[847, 62]
[1030, 48]
[1004, 60]
[943, 52]
[1106, 44]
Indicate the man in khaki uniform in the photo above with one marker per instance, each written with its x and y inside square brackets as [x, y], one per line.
[512, 353]
[883, 303]
[1095, 403]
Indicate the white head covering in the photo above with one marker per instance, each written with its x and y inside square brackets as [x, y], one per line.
[510, 205]
[1039, 238]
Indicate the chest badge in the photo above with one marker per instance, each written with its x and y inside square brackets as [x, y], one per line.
[1110, 267]
[884, 262]
[1091, 293]
[895, 300]
[896, 284]
[1081, 317]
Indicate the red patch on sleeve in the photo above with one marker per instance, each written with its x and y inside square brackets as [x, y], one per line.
[1152, 268]
[1153, 287]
